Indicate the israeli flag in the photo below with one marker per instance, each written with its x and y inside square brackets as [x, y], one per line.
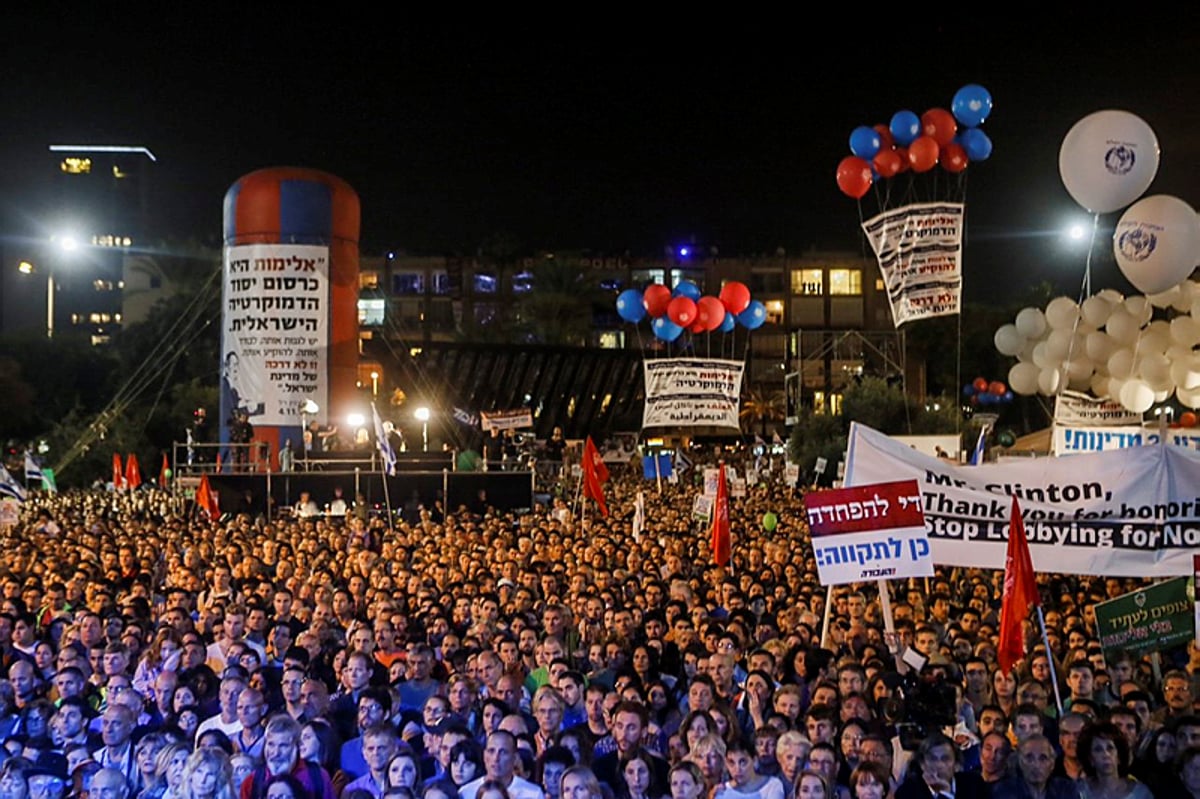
[385, 447]
[10, 487]
[33, 472]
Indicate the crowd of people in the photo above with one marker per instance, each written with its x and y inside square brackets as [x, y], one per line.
[152, 653]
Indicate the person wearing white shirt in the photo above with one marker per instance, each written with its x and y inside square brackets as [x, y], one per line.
[499, 762]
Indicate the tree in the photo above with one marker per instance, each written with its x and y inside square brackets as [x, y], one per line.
[561, 304]
[761, 406]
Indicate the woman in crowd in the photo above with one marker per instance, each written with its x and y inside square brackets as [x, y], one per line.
[686, 781]
[812, 785]
[14, 778]
[1104, 755]
[168, 772]
[207, 775]
[403, 771]
[578, 782]
[870, 780]
[637, 773]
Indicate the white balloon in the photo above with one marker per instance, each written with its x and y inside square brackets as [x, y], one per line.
[1099, 346]
[1111, 296]
[1120, 364]
[1161, 396]
[1185, 330]
[1031, 323]
[1008, 340]
[1079, 372]
[1195, 309]
[1095, 310]
[1187, 295]
[1139, 308]
[1165, 298]
[1122, 326]
[1026, 353]
[1137, 396]
[1189, 397]
[1185, 373]
[1108, 159]
[1049, 381]
[1155, 337]
[1156, 241]
[1058, 345]
[1099, 384]
[1043, 358]
[1155, 369]
[1062, 313]
[1023, 378]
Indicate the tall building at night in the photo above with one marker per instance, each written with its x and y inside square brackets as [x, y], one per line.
[65, 278]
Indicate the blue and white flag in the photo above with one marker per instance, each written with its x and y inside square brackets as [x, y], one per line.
[385, 447]
[10, 487]
[33, 472]
[977, 455]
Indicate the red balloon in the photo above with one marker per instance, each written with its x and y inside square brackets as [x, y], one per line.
[1187, 419]
[997, 388]
[735, 296]
[903, 153]
[682, 311]
[954, 158]
[939, 124]
[853, 177]
[923, 154]
[887, 163]
[980, 384]
[710, 312]
[655, 299]
[698, 327]
[885, 136]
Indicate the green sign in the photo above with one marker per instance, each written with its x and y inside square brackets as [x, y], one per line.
[1151, 620]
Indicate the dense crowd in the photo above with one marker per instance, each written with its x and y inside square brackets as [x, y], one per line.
[151, 653]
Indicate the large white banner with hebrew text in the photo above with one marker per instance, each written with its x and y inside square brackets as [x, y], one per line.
[1135, 512]
[692, 392]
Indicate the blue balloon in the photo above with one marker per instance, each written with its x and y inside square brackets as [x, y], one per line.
[986, 398]
[753, 317]
[865, 142]
[686, 288]
[971, 105]
[665, 329]
[977, 144]
[905, 127]
[630, 307]
[968, 390]
[728, 323]
[1008, 396]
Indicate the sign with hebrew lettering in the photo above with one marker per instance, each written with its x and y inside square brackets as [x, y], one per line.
[1153, 619]
[919, 250]
[869, 532]
[687, 392]
[1134, 512]
[275, 334]
[1073, 440]
[506, 420]
[1074, 408]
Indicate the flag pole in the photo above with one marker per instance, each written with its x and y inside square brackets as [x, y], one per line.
[383, 468]
[1050, 659]
[657, 472]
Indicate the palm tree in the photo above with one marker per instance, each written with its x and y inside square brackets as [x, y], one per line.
[759, 405]
[560, 306]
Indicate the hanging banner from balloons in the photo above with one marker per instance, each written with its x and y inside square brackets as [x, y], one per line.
[690, 392]
[919, 250]
[1074, 408]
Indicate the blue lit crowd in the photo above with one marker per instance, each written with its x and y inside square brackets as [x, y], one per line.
[152, 653]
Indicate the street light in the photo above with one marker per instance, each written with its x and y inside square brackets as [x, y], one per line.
[27, 268]
[422, 415]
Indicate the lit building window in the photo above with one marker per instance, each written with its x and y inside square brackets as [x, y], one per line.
[73, 165]
[846, 282]
[440, 281]
[612, 339]
[827, 403]
[643, 277]
[807, 282]
[371, 311]
[879, 284]
[408, 283]
[485, 283]
[774, 312]
[522, 282]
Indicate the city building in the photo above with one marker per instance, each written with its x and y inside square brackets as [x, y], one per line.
[459, 331]
[66, 277]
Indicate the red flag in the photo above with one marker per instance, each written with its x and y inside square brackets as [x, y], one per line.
[133, 473]
[721, 544]
[118, 472]
[206, 498]
[1020, 593]
[162, 472]
[595, 474]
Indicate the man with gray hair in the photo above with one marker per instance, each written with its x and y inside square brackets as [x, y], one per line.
[281, 755]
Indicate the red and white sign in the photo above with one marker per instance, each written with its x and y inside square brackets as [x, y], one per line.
[869, 532]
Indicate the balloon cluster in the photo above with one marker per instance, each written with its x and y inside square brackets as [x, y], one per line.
[1107, 160]
[918, 143]
[1110, 344]
[982, 391]
[671, 311]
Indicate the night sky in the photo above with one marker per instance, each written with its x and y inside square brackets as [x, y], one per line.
[603, 136]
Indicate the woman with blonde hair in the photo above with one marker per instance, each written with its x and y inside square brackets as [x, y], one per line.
[579, 782]
[208, 775]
